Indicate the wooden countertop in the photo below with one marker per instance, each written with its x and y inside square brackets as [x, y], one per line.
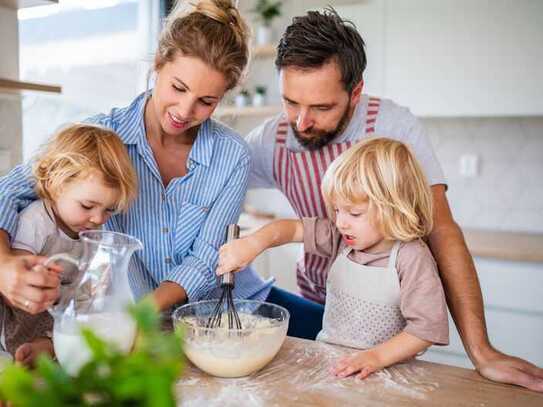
[299, 376]
[513, 246]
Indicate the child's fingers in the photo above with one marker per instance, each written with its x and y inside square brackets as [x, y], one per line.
[23, 353]
[346, 370]
[365, 372]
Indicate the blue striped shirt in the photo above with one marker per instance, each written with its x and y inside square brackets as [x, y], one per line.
[181, 225]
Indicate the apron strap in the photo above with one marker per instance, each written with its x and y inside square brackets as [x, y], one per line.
[394, 255]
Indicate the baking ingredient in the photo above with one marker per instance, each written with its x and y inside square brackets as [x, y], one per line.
[301, 371]
[144, 377]
[70, 347]
[231, 353]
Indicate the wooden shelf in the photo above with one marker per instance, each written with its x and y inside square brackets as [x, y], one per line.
[17, 4]
[232, 111]
[264, 51]
[12, 86]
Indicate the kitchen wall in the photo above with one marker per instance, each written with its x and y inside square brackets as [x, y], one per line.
[10, 104]
[508, 192]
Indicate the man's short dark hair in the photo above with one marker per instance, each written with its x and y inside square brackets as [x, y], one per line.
[318, 37]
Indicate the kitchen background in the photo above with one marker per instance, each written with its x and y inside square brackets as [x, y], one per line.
[471, 70]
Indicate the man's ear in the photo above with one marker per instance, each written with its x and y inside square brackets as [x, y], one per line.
[356, 93]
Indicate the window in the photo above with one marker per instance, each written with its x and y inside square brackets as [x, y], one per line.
[99, 52]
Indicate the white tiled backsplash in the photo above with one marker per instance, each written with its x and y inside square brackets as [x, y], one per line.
[507, 193]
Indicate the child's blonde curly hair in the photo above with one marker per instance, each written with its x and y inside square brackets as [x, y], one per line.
[384, 173]
[78, 151]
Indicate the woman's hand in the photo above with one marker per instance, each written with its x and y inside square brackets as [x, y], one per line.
[27, 284]
[237, 254]
[364, 363]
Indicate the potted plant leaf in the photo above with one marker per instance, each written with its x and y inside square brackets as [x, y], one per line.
[242, 98]
[144, 377]
[266, 11]
[259, 97]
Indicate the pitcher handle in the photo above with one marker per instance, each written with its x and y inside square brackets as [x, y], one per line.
[62, 256]
[67, 258]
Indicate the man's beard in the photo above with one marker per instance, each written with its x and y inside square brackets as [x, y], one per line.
[315, 139]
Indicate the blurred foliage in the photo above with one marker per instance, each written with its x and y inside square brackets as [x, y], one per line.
[144, 377]
[267, 10]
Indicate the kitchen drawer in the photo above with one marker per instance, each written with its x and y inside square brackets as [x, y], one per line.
[510, 284]
[518, 333]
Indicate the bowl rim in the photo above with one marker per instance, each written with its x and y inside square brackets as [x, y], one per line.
[285, 321]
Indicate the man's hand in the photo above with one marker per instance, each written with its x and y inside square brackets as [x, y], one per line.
[26, 284]
[500, 367]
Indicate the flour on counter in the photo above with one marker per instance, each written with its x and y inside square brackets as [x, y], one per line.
[306, 370]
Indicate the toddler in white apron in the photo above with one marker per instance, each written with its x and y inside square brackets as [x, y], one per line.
[82, 177]
[383, 292]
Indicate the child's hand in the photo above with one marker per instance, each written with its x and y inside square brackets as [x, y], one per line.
[236, 255]
[364, 362]
[28, 353]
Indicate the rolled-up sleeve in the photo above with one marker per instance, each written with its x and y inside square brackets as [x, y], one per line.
[321, 237]
[196, 273]
[16, 193]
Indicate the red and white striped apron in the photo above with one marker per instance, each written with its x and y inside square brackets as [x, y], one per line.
[299, 176]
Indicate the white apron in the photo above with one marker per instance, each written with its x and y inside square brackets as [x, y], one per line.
[362, 303]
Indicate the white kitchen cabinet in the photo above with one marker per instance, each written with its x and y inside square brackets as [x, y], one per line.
[452, 58]
[280, 263]
[17, 4]
[513, 310]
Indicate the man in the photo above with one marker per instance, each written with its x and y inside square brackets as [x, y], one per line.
[320, 60]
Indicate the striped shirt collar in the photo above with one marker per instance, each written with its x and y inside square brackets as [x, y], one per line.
[202, 150]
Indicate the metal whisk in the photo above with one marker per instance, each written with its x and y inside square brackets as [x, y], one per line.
[227, 285]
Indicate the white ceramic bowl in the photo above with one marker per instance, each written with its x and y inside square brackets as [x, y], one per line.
[227, 352]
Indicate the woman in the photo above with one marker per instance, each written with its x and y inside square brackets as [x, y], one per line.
[192, 170]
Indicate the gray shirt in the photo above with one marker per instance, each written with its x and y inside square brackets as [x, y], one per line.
[393, 121]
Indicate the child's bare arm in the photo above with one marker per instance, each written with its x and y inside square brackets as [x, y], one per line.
[237, 254]
[398, 348]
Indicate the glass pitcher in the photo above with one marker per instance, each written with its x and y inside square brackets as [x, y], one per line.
[97, 298]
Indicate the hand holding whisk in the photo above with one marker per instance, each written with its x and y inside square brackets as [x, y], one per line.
[226, 300]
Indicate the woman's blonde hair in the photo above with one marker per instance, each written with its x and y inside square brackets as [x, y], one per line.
[212, 31]
[80, 150]
[384, 173]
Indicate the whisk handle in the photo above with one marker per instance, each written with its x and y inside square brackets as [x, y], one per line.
[232, 233]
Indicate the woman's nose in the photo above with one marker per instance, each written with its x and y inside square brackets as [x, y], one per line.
[185, 108]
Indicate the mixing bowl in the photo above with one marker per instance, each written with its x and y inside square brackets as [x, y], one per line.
[227, 352]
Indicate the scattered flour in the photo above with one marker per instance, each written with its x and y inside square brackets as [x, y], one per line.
[305, 370]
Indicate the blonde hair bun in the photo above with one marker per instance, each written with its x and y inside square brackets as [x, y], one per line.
[211, 30]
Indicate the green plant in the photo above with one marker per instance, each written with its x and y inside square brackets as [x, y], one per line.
[260, 90]
[144, 377]
[244, 93]
[267, 10]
